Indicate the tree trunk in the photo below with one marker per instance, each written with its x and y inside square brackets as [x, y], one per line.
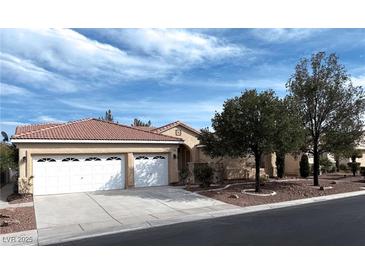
[257, 175]
[280, 164]
[315, 165]
[337, 164]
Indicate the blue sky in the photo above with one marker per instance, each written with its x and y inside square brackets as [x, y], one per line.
[160, 75]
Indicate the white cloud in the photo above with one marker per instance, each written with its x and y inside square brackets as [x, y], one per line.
[23, 71]
[182, 47]
[65, 50]
[8, 90]
[259, 83]
[67, 61]
[11, 123]
[47, 119]
[283, 35]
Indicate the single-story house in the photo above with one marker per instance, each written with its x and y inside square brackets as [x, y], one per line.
[93, 154]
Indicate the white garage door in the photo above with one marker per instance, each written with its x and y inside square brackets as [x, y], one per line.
[72, 173]
[150, 170]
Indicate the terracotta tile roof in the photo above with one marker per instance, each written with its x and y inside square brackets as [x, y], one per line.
[144, 128]
[174, 124]
[26, 128]
[89, 129]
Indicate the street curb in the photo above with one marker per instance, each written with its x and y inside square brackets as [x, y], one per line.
[206, 216]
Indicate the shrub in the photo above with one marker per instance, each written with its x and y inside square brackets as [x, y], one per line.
[204, 174]
[362, 171]
[326, 164]
[344, 167]
[184, 174]
[304, 166]
[264, 179]
[354, 166]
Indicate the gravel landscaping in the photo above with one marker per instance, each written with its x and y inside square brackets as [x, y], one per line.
[17, 219]
[286, 190]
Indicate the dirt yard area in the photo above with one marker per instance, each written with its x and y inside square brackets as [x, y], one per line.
[15, 219]
[286, 190]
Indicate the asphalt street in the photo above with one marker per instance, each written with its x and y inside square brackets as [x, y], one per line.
[335, 222]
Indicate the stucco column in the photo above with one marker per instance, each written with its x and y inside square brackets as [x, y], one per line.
[173, 167]
[129, 170]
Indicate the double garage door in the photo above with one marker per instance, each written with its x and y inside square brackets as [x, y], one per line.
[75, 173]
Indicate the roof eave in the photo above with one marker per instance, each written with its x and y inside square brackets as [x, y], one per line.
[60, 141]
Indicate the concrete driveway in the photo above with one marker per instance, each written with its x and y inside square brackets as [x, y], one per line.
[60, 217]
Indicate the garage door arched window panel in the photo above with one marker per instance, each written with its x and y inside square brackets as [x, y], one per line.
[141, 158]
[113, 158]
[77, 176]
[70, 159]
[158, 157]
[46, 160]
[93, 159]
[150, 170]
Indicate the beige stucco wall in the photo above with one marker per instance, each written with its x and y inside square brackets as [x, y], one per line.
[241, 168]
[234, 168]
[27, 151]
[292, 165]
[190, 139]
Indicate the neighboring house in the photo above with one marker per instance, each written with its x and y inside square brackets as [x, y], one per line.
[93, 154]
[361, 160]
[292, 162]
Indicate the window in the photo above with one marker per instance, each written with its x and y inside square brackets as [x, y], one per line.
[142, 158]
[159, 157]
[46, 160]
[93, 159]
[70, 159]
[113, 158]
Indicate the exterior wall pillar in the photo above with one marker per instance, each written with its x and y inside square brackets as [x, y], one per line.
[173, 167]
[129, 170]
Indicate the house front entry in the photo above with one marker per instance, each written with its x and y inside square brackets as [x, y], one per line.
[184, 157]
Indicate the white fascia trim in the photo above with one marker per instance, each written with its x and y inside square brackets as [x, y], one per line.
[41, 141]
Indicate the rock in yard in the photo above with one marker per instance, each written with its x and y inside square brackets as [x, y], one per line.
[234, 196]
[334, 182]
[10, 222]
[321, 188]
[4, 216]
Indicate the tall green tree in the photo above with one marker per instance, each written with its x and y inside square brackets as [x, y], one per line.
[328, 104]
[290, 134]
[8, 156]
[140, 123]
[108, 116]
[246, 126]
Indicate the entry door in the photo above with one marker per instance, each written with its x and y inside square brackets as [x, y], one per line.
[72, 173]
[150, 170]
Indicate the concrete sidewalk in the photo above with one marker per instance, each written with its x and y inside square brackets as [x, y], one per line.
[72, 233]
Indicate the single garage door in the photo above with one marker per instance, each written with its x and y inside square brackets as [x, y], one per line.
[75, 173]
[150, 170]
